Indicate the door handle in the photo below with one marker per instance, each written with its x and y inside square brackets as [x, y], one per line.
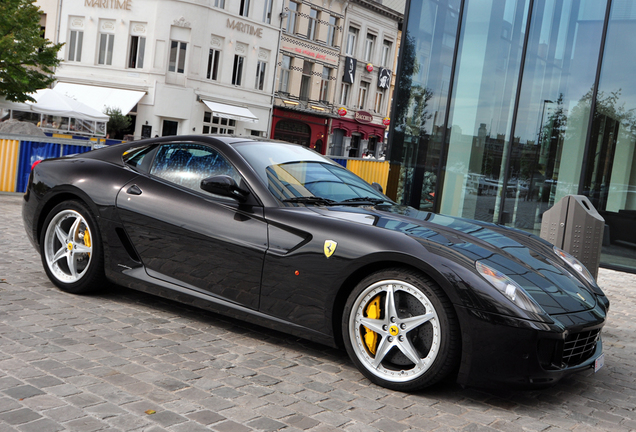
[134, 190]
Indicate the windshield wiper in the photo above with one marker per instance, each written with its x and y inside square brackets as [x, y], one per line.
[310, 200]
[329, 202]
[359, 200]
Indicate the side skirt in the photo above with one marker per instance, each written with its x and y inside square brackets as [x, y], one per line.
[138, 279]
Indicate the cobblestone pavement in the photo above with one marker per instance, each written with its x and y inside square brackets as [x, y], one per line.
[128, 361]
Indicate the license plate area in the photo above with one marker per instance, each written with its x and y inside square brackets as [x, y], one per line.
[599, 363]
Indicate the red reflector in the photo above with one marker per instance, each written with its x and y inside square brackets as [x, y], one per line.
[35, 163]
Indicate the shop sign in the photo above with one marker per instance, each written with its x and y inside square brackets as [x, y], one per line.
[245, 28]
[363, 117]
[342, 111]
[328, 56]
[109, 4]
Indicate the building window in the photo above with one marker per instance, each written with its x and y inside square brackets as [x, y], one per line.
[386, 53]
[267, 11]
[237, 70]
[368, 47]
[260, 75]
[219, 4]
[244, 8]
[213, 64]
[311, 29]
[362, 94]
[352, 36]
[177, 56]
[284, 74]
[75, 45]
[106, 42]
[217, 125]
[331, 31]
[379, 98]
[137, 50]
[324, 83]
[305, 81]
[344, 93]
[291, 18]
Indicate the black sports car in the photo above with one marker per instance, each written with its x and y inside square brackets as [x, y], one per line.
[276, 234]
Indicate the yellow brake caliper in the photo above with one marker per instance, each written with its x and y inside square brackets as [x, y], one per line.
[87, 238]
[373, 312]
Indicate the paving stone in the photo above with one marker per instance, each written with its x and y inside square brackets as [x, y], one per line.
[229, 426]
[167, 418]
[23, 392]
[19, 416]
[85, 424]
[42, 425]
[206, 417]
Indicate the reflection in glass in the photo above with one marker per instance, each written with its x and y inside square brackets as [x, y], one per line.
[421, 97]
[610, 175]
[554, 108]
[481, 115]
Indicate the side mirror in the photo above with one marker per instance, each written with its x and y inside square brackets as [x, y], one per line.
[224, 185]
[377, 187]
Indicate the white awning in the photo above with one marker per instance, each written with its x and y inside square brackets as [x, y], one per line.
[231, 112]
[101, 97]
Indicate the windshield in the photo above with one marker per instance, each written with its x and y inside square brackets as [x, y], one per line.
[292, 171]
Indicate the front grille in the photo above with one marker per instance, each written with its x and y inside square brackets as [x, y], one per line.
[579, 347]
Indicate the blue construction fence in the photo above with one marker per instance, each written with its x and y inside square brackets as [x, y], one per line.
[17, 164]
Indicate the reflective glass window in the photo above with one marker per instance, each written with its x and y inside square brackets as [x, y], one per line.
[554, 109]
[421, 101]
[484, 93]
[610, 175]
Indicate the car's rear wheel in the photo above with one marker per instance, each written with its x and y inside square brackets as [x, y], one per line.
[71, 248]
[400, 330]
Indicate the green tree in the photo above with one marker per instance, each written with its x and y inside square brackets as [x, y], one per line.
[117, 123]
[26, 58]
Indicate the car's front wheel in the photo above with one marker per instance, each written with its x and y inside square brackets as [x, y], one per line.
[400, 330]
[71, 248]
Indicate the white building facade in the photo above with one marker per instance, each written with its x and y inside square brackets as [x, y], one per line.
[176, 66]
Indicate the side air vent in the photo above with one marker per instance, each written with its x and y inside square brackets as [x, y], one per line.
[125, 241]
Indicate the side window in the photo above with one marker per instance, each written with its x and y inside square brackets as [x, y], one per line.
[188, 164]
[138, 158]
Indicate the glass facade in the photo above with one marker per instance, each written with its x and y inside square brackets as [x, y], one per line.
[503, 107]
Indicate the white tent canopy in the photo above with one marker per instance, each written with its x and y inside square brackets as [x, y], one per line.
[48, 102]
[100, 98]
[52, 103]
[13, 105]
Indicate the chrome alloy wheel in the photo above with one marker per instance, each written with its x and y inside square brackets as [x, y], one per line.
[405, 334]
[68, 246]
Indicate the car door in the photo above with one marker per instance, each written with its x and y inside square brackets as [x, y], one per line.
[191, 237]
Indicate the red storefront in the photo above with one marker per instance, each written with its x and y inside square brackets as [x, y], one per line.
[300, 128]
[359, 128]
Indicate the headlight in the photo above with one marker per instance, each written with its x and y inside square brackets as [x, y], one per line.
[575, 264]
[508, 287]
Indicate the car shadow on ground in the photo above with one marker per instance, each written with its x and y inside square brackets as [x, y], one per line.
[533, 403]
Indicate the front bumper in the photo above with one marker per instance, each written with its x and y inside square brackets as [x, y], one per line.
[500, 351]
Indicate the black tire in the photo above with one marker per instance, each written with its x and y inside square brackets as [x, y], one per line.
[416, 346]
[71, 248]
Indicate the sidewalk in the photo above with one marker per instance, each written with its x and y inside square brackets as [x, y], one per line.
[128, 361]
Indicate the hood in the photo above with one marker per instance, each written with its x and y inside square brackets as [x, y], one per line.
[527, 259]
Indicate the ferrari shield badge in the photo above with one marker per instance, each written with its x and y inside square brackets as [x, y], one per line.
[330, 247]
